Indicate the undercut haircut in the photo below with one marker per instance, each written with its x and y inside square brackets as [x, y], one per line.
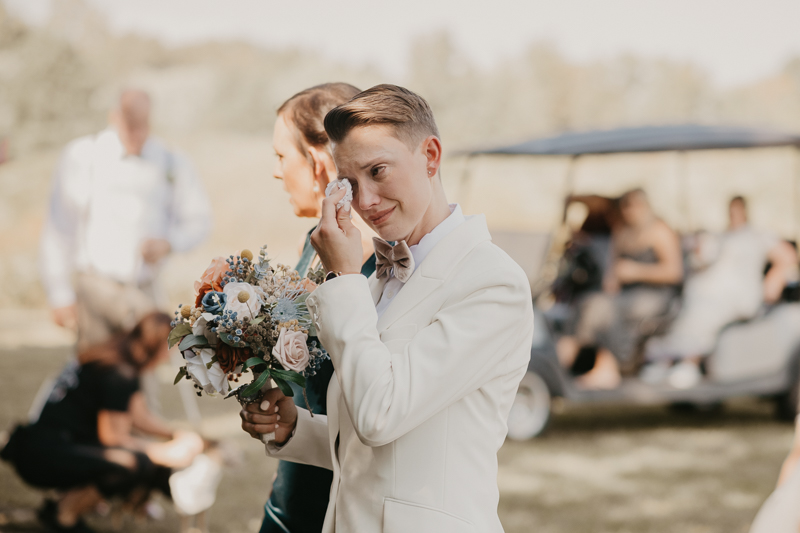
[306, 109]
[407, 113]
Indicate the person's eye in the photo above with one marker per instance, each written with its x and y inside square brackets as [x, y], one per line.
[377, 171]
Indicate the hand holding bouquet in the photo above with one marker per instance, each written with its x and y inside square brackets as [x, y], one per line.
[248, 316]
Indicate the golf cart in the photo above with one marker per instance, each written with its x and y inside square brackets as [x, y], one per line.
[758, 357]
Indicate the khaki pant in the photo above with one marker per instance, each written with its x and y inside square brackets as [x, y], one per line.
[107, 307]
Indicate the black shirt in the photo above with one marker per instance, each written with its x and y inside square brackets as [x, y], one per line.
[81, 392]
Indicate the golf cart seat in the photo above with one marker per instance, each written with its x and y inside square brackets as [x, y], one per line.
[759, 346]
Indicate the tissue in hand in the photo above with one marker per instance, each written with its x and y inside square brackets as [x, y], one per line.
[335, 185]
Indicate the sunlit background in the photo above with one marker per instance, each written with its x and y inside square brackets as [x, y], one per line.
[494, 72]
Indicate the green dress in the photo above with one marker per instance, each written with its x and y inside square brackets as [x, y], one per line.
[300, 492]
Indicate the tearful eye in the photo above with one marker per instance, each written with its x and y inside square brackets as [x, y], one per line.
[376, 171]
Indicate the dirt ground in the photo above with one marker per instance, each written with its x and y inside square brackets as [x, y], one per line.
[609, 470]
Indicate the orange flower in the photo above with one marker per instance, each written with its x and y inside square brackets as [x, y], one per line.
[201, 291]
[307, 285]
[211, 280]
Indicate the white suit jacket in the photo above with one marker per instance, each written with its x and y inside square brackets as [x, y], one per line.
[418, 404]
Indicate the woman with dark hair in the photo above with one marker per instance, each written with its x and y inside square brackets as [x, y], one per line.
[82, 442]
[300, 492]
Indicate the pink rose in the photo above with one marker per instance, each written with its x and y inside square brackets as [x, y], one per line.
[291, 350]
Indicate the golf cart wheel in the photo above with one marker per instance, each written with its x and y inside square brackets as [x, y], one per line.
[530, 412]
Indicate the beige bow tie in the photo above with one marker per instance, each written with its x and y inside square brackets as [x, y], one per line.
[397, 258]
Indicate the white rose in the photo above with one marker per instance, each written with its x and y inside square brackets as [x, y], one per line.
[252, 304]
[291, 350]
[213, 380]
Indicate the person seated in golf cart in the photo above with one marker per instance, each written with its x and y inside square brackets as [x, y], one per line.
[644, 272]
[731, 287]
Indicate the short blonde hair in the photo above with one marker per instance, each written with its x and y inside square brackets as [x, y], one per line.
[406, 112]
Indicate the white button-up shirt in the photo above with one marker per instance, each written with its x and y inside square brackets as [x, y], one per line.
[420, 251]
[105, 203]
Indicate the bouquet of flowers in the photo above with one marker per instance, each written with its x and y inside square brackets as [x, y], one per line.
[248, 317]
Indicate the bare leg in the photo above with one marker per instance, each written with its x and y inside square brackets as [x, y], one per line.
[604, 376]
[567, 349]
[75, 503]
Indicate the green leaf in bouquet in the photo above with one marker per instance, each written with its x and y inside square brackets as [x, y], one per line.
[289, 375]
[253, 361]
[258, 320]
[211, 363]
[192, 340]
[178, 332]
[285, 388]
[312, 330]
[181, 374]
[257, 383]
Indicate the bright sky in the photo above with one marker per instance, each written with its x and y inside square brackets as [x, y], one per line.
[737, 41]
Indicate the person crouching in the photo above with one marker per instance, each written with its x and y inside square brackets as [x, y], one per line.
[82, 442]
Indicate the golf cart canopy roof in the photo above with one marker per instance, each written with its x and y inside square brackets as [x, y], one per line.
[649, 139]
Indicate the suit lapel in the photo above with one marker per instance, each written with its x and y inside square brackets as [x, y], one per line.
[376, 287]
[434, 269]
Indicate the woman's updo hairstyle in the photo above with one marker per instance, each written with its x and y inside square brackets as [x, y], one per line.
[307, 109]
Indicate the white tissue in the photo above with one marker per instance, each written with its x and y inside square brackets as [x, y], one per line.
[335, 185]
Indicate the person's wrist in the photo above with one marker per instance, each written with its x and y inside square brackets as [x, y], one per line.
[287, 438]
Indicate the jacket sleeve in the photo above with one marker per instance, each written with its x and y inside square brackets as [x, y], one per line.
[190, 217]
[309, 444]
[483, 331]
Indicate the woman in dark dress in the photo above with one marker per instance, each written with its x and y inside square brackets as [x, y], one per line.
[82, 442]
[299, 496]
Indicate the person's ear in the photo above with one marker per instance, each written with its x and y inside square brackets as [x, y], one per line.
[432, 149]
[324, 168]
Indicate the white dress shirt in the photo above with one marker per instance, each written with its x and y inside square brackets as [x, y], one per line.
[420, 251]
[105, 203]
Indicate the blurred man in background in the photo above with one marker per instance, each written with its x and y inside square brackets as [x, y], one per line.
[121, 203]
[645, 268]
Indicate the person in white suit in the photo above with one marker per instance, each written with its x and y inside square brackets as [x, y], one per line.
[428, 352]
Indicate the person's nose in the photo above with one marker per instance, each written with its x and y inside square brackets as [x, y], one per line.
[367, 197]
[277, 172]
